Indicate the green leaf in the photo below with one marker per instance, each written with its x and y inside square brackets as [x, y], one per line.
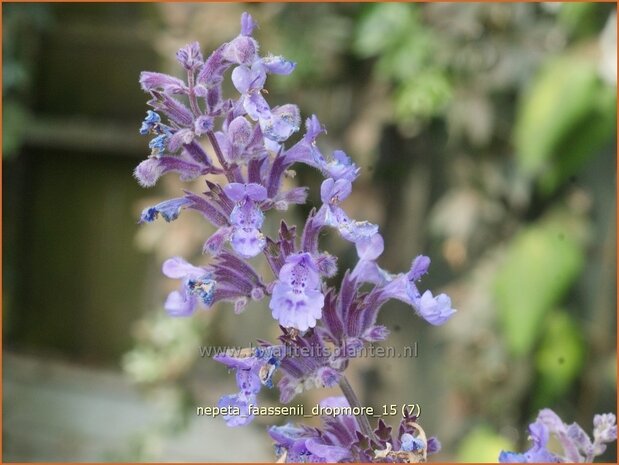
[384, 26]
[583, 141]
[425, 95]
[562, 94]
[559, 357]
[482, 445]
[541, 263]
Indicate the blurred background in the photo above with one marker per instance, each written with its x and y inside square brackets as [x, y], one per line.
[486, 134]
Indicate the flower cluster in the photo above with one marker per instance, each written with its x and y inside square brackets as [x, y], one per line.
[339, 440]
[576, 445]
[251, 146]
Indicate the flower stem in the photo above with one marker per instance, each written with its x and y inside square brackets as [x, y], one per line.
[220, 156]
[350, 395]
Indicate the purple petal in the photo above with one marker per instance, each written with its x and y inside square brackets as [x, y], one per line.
[435, 310]
[333, 192]
[180, 304]
[419, 267]
[278, 65]
[242, 78]
[255, 192]
[247, 24]
[256, 106]
[247, 242]
[282, 123]
[235, 191]
[247, 215]
[330, 454]
[370, 248]
[341, 167]
[179, 268]
[242, 50]
[241, 403]
[313, 128]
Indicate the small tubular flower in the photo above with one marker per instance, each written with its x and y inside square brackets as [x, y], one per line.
[297, 299]
[198, 287]
[254, 368]
[246, 218]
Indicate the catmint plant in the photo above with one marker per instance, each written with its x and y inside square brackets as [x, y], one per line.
[574, 444]
[252, 145]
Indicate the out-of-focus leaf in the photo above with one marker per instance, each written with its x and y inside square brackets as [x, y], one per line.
[577, 145]
[541, 263]
[423, 95]
[404, 61]
[559, 357]
[562, 94]
[383, 26]
[482, 445]
[580, 18]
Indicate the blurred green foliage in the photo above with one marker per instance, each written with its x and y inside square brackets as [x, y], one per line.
[559, 357]
[566, 115]
[542, 262]
[405, 51]
[482, 445]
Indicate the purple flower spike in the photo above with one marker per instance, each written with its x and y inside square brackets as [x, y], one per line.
[297, 300]
[249, 139]
[197, 289]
